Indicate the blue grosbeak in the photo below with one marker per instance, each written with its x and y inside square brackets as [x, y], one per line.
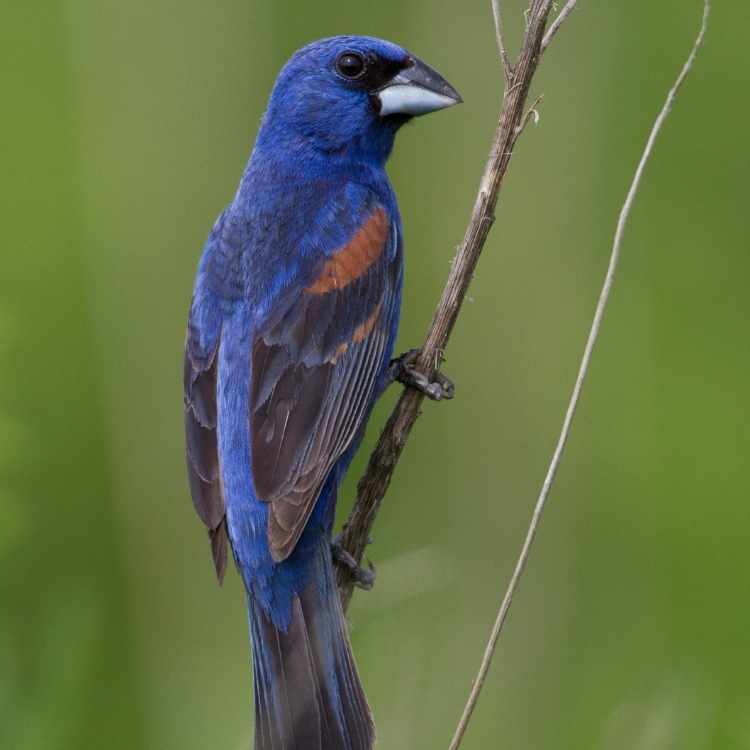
[290, 334]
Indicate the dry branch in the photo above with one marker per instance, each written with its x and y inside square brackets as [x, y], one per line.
[501, 48]
[373, 485]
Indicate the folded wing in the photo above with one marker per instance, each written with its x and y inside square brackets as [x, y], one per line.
[316, 360]
[201, 355]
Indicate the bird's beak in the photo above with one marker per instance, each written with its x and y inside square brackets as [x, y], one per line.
[416, 90]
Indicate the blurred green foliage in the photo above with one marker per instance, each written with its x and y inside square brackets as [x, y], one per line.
[125, 129]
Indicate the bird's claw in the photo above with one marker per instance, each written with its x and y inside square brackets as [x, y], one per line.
[403, 369]
[364, 578]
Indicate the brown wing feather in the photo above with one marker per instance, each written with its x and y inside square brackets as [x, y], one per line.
[337, 423]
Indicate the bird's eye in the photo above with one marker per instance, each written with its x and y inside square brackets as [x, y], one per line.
[350, 65]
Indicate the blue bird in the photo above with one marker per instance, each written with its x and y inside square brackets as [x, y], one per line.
[290, 334]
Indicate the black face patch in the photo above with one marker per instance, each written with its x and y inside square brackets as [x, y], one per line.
[378, 71]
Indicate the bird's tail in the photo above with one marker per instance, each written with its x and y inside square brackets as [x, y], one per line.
[307, 692]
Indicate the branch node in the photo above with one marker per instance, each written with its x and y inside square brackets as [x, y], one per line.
[532, 114]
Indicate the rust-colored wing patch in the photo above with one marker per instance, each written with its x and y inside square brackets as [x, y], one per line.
[360, 333]
[355, 258]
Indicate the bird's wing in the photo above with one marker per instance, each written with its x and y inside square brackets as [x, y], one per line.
[315, 362]
[201, 348]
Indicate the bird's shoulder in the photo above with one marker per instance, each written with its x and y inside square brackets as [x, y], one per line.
[276, 237]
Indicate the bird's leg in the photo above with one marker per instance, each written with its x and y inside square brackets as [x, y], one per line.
[403, 370]
[364, 578]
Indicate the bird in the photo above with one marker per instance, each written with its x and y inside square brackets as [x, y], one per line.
[290, 335]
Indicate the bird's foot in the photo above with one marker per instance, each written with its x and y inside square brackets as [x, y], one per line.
[364, 578]
[403, 369]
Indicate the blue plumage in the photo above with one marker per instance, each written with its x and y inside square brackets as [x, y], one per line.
[290, 334]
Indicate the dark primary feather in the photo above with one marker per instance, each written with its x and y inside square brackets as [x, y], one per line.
[202, 452]
[315, 363]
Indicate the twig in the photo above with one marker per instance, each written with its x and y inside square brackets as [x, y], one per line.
[532, 113]
[501, 48]
[574, 398]
[373, 485]
[554, 27]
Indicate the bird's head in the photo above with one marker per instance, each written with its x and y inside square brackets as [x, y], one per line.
[348, 95]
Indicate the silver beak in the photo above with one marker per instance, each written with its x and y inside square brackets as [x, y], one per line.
[416, 90]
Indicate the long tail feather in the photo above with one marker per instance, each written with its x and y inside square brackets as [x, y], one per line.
[307, 692]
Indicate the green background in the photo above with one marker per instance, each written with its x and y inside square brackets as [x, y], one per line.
[124, 131]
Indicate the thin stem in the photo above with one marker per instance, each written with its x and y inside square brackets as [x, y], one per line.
[554, 27]
[575, 396]
[504, 59]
